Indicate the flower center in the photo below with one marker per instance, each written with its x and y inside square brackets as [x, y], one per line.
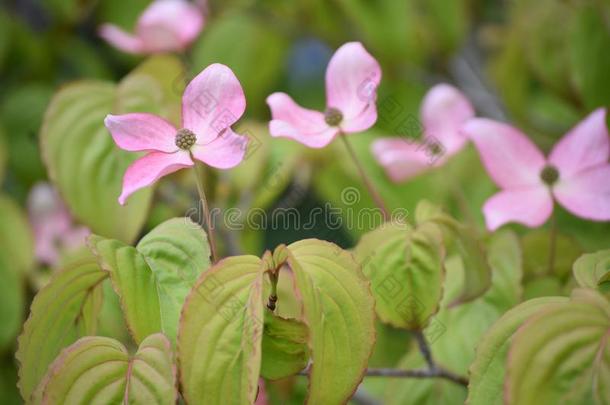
[185, 139]
[435, 149]
[333, 117]
[549, 175]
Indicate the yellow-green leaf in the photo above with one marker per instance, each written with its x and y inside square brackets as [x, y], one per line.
[489, 367]
[221, 328]
[592, 270]
[462, 239]
[406, 270]
[99, 370]
[285, 350]
[154, 278]
[63, 311]
[561, 355]
[339, 310]
[16, 239]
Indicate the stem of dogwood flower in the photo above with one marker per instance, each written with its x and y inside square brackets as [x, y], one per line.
[553, 241]
[206, 209]
[365, 179]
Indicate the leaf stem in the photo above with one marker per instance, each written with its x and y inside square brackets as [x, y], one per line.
[365, 179]
[206, 210]
[425, 349]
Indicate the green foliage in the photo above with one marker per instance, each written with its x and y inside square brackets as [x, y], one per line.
[592, 270]
[21, 114]
[66, 309]
[154, 278]
[219, 342]
[16, 239]
[466, 243]
[468, 292]
[455, 331]
[561, 355]
[285, 350]
[406, 270]
[12, 300]
[338, 308]
[589, 40]
[224, 314]
[16, 259]
[488, 369]
[100, 370]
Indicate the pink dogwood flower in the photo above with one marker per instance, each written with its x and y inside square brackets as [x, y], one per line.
[443, 111]
[212, 102]
[576, 173]
[54, 229]
[352, 77]
[165, 26]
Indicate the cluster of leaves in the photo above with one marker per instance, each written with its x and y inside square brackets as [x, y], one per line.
[213, 318]
[489, 306]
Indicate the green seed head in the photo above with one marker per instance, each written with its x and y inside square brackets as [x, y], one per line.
[185, 139]
[549, 175]
[333, 117]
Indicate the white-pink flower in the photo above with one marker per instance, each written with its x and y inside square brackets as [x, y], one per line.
[443, 111]
[212, 102]
[352, 77]
[576, 173]
[165, 26]
[54, 229]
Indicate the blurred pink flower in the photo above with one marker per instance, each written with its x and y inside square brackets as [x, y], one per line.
[352, 77]
[165, 26]
[576, 173]
[261, 398]
[444, 110]
[54, 230]
[212, 102]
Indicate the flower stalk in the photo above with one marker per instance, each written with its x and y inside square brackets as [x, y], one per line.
[198, 171]
[365, 179]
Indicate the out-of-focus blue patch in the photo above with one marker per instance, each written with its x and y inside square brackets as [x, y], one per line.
[306, 68]
[307, 61]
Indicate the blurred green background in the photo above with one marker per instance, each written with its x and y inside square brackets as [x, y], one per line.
[541, 65]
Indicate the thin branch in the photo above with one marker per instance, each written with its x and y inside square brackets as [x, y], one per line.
[414, 373]
[206, 210]
[553, 242]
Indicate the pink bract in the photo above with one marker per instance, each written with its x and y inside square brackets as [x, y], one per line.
[352, 77]
[576, 173]
[212, 102]
[443, 111]
[165, 26]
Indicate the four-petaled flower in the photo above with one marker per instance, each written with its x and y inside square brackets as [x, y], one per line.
[576, 173]
[352, 77]
[212, 102]
[444, 110]
[165, 26]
